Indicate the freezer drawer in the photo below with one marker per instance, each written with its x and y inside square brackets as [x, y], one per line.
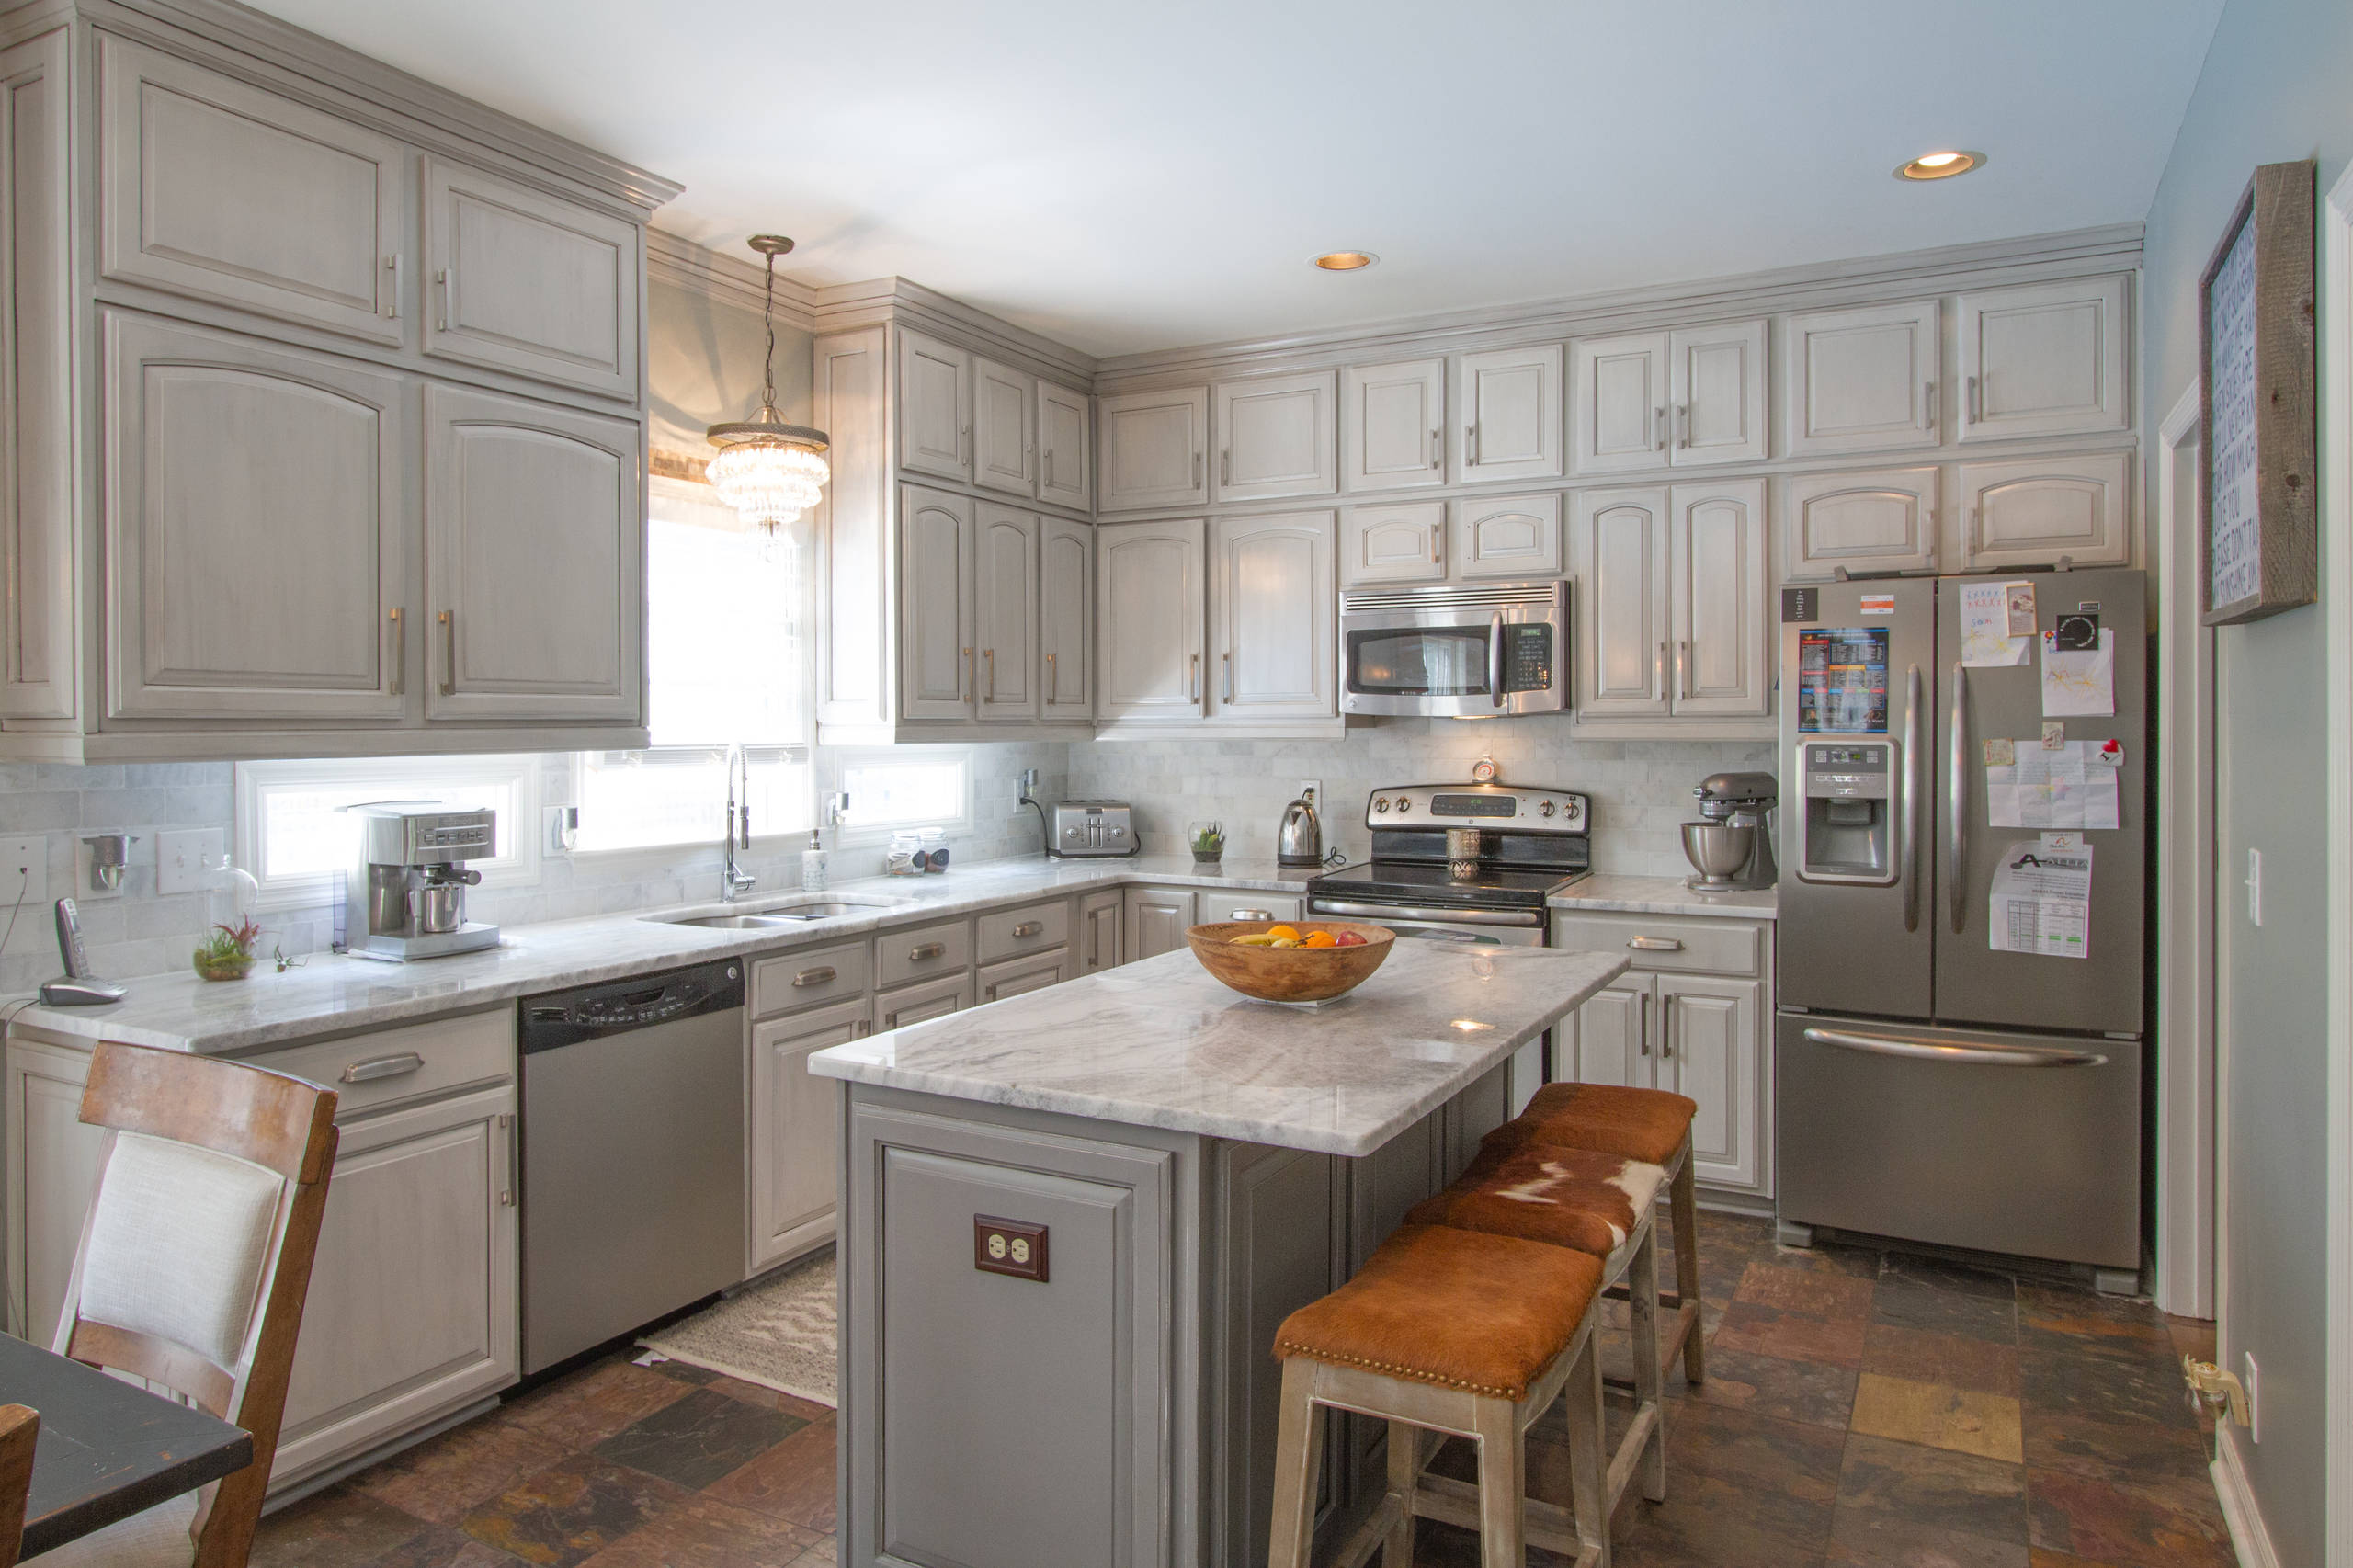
[2027, 1145]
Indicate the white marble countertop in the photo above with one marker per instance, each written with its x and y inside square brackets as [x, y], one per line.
[1161, 1044]
[330, 994]
[1662, 896]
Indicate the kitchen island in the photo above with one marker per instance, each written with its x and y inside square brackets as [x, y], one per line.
[1072, 1220]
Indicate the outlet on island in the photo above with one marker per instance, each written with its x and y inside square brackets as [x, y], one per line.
[1009, 1246]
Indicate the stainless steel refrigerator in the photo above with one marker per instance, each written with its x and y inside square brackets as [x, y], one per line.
[1935, 1084]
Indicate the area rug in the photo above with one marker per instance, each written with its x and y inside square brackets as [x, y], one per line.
[781, 1332]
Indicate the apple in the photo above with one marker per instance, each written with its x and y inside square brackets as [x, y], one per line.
[1348, 939]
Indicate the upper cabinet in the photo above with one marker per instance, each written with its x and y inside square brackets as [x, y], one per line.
[937, 655]
[1685, 398]
[1673, 623]
[1508, 403]
[1860, 520]
[1506, 536]
[1065, 447]
[1401, 543]
[1004, 427]
[1005, 612]
[1272, 610]
[2046, 359]
[1276, 437]
[1392, 426]
[935, 406]
[2038, 510]
[1066, 620]
[1863, 380]
[1154, 450]
[1151, 593]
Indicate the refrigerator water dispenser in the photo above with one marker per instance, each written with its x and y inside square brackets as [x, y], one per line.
[1848, 833]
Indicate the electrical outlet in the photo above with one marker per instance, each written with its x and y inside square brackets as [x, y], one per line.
[1312, 791]
[24, 870]
[182, 857]
[2253, 1382]
[2255, 886]
[1009, 1246]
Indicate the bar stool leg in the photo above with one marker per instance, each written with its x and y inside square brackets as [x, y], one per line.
[1685, 1206]
[1641, 1281]
[1588, 1466]
[1299, 1457]
[1405, 1481]
[1503, 1482]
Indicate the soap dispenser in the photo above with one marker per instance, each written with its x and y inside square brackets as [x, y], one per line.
[813, 863]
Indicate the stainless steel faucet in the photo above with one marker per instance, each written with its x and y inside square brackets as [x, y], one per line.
[733, 881]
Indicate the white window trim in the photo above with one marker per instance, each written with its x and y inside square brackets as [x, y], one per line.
[398, 778]
[667, 854]
[847, 757]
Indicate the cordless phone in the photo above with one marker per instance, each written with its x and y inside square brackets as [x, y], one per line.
[79, 987]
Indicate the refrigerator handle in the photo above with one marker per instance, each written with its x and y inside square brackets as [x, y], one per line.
[1913, 784]
[1979, 1053]
[1960, 796]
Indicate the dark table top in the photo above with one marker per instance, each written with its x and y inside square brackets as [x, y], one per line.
[108, 1450]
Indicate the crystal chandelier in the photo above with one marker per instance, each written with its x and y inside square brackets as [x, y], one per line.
[768, 471]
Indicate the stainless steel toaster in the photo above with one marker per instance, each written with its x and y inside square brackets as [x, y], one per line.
[1091, 829]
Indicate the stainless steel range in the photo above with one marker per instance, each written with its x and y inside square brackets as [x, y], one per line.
[1462, 862]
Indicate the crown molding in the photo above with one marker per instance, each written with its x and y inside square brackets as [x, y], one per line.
[842, 306]
[1859, 280]
[729, 279]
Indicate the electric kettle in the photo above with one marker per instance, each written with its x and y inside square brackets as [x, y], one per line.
[1301, 842]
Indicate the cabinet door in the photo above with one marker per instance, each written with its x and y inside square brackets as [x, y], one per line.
[219, 190]
[1871, 520]
[526, 283]
[796, 1131]
[1618, 538]
[1620, 402]
[412, 1308]
[1393, 544]
[1716, 598]
[2047, 359]
[1066, 620]
[1708, 1047]
[39, 646]
[1863, 380]
[1155, 922]
[1506, 536]
[1018, 977]
[1613, 1035]
[1150, 619]
[534, 552]
[1277, 437]
[1510, 400]
[1005, 434]
[1392, 426]
[935, 406]
[1271, 603]
[1004, 597]
[1716, 383]
[1155, 448]
[257, 531]
[53, 1168]
[914, 1004]
[938, 657]
[2033, 512]
[1098, 931]
[1065, 447]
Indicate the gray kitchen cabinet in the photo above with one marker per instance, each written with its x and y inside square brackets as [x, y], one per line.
[938, 654]
[1620, 411]
[535, 561]
[1684, 398]
[1155, 921]
[1024, 931]
[522, 282]
[1272, 610]
[1508, 403]
[1710, 1033]
[1277, 436]
[1151, 617]
[52, 1169]
[1005, 612]
[1392, 426]
[1018, 977]
[1004, 427]
[1505, 536]
[1673, 621]
[2045, 359]
[1065, 447]
[796, 1130]
[221, 451]
[927, 999]
[1155, 449]
[221, 191]
[1403, 541]
[39, 575]
[1862, 380]
[2034, 511]
[935, 406]
[1065, 620]
[1860, 519]
[1619, 549]
[1098, 931]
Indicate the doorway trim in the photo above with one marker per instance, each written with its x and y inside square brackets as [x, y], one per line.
[2336, 590]
[2186, 972]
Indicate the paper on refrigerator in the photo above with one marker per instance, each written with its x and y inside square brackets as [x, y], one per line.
[1985, 637]
[2041, 901]
[2079, 683]
[2066, 787]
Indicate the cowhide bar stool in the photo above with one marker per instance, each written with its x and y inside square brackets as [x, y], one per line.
[1649, 1125]
[1457, 1331]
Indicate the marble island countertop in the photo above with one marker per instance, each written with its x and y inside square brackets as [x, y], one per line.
[1661, 895]
[1161, 1044]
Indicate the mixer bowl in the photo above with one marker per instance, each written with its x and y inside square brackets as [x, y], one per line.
[1719, 849]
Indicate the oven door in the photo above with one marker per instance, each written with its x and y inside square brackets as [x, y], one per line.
[1456, 651]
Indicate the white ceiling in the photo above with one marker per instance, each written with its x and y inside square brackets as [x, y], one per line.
[1127, 176]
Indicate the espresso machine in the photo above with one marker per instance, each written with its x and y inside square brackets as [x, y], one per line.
[1731, 849]
[406, 894]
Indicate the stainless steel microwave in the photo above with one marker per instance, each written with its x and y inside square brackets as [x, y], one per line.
[1462, 651]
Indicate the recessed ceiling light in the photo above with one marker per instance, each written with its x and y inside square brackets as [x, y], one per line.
[1939, 166]
[1345, 260]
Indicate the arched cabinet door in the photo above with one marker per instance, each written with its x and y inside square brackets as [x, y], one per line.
[255, 528]
[1149, 619]
[535, 550]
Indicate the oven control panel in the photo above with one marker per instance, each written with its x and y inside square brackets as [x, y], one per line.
[1519, 809]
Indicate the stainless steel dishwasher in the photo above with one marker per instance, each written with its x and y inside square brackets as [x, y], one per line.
[633, 1154]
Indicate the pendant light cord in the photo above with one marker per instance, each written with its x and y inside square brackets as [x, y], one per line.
[767, 315]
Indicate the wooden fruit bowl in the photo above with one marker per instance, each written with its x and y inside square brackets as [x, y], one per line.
[1289, 974]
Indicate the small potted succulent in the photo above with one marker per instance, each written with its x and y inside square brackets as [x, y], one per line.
[1208, 839]
[227, 951]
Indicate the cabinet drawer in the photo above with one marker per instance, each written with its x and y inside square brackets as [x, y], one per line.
[1017, 977]
[1032, 928]
[387, 1065]
[928, 952]
[914, 1004]
[1663, 942]
[791, 982]
[1209, 907]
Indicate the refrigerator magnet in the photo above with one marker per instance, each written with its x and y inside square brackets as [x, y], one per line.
[1877, 604]
[2054, 735]
[2109, 753]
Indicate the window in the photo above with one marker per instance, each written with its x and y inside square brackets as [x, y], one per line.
[642, 799]
[295, 837]
[915, 787]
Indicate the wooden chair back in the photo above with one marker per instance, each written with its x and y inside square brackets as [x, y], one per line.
[269, 1119]
[19, 1427]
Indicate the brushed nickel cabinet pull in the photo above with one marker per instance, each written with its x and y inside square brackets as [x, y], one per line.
[1662, 672]
[922, 951]
[1438, 545]
[1976, 402]
[514, 1159]
[375, 1067]
[1228, 659]
[1029, 928]
[1654, 944]
[1666, 1028]
[1053, 682]
[964, 678]
[441, 278]
[1252, 915]
[1928, 405]
[1471, 446]
[1643, 1026]
[1683, 426]
[1193, 679]
[1682, 669]
[1659, 428]
[449, 652]
[989, 655]
[1225, 466]
[1437, 450]
[393, 266]
[399, 652]
[823, 974]
[1196, 471]
[1049, 468]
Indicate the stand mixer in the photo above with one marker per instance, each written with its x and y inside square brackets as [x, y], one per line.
[1732, 849]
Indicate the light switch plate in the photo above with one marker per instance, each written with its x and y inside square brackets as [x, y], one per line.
[181, 858]
[24, 870]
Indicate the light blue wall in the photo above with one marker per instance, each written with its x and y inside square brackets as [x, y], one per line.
[2278, 84]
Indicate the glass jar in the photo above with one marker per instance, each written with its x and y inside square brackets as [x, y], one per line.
[933, 855]
[1208, 841]
[904, 858]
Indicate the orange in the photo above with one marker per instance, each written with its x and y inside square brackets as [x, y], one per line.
[1290, 931]
[1319, 939]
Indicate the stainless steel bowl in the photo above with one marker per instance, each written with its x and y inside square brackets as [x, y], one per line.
[1719, 849]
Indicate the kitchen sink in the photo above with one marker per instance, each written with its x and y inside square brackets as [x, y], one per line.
[772, 913]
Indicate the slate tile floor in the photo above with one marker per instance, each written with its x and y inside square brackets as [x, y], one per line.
[1864, 1410]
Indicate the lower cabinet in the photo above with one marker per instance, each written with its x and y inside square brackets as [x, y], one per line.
[1155, 921]
[1017, 977]
[796, 1131]
[1098, 931]
[913, 1004]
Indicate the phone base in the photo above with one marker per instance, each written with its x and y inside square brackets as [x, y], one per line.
[85, 992]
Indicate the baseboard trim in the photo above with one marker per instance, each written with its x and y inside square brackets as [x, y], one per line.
[2248, 1538]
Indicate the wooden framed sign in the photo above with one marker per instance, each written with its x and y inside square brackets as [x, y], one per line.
[2258, 475]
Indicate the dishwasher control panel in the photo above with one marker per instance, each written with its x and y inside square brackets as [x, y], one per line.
[566, 1017]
